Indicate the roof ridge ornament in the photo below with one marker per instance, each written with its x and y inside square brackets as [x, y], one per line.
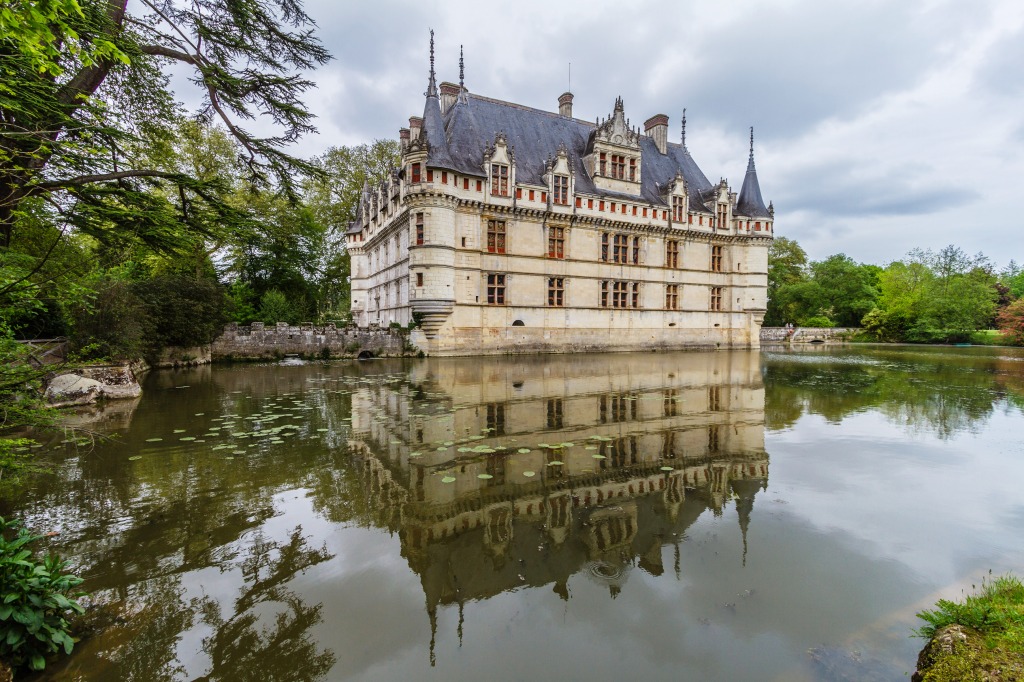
[751, 146]
[431, 84]
[684, 128]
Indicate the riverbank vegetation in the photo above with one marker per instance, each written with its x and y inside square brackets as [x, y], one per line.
[926, 297]
[979, 638]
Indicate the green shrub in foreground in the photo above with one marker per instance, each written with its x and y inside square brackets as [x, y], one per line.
[36, 595]
[998, 609]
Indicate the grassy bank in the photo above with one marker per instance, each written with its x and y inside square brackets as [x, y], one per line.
[979, 638]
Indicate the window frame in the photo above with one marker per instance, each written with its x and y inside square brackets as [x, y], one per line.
[500, 174]
[556, 241]
[496, 236]
[496, 283]
[556, 292]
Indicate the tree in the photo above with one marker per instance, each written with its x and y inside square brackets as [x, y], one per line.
[83, 82]
[1011, 322]
[847, 289]
[787, 265]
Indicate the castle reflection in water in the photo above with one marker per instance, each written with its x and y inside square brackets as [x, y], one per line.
[643, 448]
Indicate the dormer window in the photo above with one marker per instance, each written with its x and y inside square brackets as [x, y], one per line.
[618, 166]
[677, 209]
[499, 180]
[561, 189]
[603, 164]
[632, 170]
[416, 173]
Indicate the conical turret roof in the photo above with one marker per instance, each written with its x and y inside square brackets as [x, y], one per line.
[750, 202]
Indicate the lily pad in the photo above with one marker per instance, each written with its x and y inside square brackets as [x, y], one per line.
[188, 438]
[448, 479]
[668, 468]
[134, 457]
[484, 476]
[523, 451]
[180, 430]
[555, 463]
[153, 440]
[599, 457]
[529, 474]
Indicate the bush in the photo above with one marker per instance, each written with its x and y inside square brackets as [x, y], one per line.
[185, 311]
[115, 324]
[819, 321]
[37, 597]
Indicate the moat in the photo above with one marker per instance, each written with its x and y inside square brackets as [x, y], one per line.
[772, 515]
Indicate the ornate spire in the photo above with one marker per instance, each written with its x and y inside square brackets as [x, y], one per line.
[462, 70]
[750, 202]
[684, 128]
[432, 85]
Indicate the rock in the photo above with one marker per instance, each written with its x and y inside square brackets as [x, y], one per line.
[72, 389]
[90, 384]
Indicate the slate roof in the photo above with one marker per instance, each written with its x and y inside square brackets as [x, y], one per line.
[750, 202]
[473, 124]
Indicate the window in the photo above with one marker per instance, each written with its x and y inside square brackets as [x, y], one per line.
[604, 294]
[618, 168]
[603, 164]
[444, 177]
[416, 173]
[632, 170]
[620, 291]
[672, 296]
[519, 192]
[671, 253]
[716, 259]
[420, 235]
[496, 419]
[556, 242]
[561, 189]
[499, 180]
[555, 418]
[670, 404]
[465, 183]
[716, 298]
[620, 248]
[636, 250]
[419, 279]
[430, 175]
[495, 236]
[556, 292]
[495, 289]
[715, 398]
[531, 195]
[479, 185]
[677, 209]
[723, 217]
[635, 299]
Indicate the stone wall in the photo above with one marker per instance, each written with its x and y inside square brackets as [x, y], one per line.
[806, 334]
[273, 342]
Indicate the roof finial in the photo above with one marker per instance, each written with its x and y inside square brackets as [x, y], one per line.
[751, 143]
[684, 127]
[462, 70]
[432, 85]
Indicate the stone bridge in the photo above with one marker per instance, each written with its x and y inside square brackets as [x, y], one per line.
[771, 335]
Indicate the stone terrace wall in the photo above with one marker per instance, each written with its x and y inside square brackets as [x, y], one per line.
[805, 334]
[264, 342]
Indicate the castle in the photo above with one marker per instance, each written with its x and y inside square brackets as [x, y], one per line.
[509, 229]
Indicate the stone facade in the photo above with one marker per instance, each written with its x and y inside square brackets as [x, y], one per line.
[509, 229]
[260, 342]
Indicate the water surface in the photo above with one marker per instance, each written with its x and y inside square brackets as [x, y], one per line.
[768, 515]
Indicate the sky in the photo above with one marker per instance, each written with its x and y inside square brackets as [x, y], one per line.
[880, 126]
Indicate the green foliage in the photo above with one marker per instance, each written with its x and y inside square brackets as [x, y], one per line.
[16, 459]
[818, 321]
[183, 310]
[275, 307]
[787, 265]
[38, 597]
[997, 610]
[113, 324]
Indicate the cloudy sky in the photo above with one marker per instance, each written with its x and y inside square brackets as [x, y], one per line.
[880, 125]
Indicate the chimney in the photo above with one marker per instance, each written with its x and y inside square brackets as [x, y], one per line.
[449, 95]
[565, 105]
[656, 128]
[403, 138]
[415, 123]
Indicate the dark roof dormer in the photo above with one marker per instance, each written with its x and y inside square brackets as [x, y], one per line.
[750, 202]
[613, 153]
